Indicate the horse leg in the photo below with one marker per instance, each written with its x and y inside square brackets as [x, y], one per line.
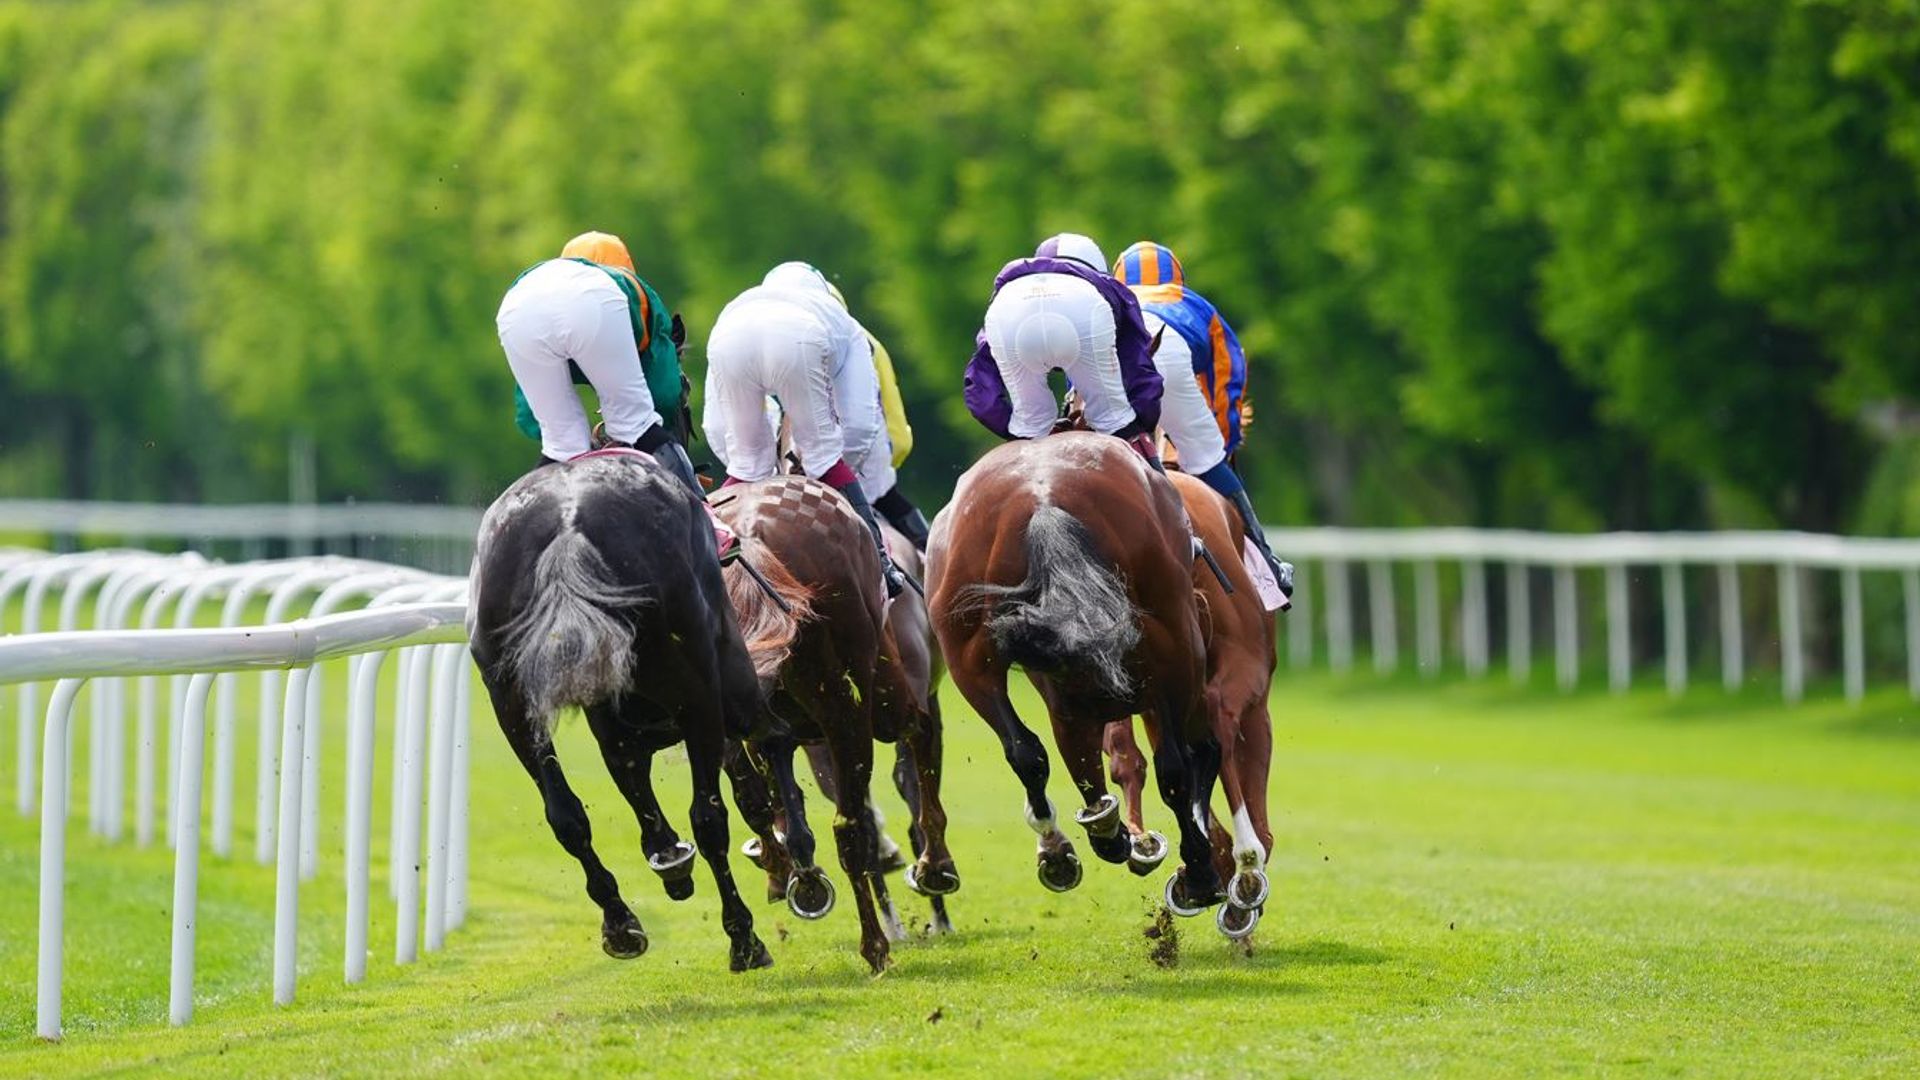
[1079, 743]
[631, 764]
[906, 779]
[809, 893]
[1185, 770]
[1059, 867]
[820, 757]
[821, 760]
[853, 832]
[751, 795]
[1128, 767]
[706, 747]
[620, 932]
[916, 773]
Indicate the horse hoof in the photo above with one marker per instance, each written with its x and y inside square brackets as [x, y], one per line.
[878, 955]
[755, 955]
[933, 881]
[1177, 900]
[1237, 922]
[755, 851]
[809, 894]
[1149, 850]
[1061, 872]
[624, 942]
[1102, 819]
[1248, 890]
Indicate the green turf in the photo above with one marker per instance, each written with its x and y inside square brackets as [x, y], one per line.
[1470, 881]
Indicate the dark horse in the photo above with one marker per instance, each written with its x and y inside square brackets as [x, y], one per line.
[829, 691]
[595, 584]
[1069, 557]
[1240, 663]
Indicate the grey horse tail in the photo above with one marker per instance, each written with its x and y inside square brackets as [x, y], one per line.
[573, 645]
[1071, 613]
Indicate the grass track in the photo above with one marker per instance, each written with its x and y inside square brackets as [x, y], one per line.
[1470, 881]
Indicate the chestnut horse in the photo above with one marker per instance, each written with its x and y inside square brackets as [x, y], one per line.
[595, 584]
[1069, 557]
[831, 689]
[1240, 666]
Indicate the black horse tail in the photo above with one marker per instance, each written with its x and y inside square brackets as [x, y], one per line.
[573, 645]
[1071, 612]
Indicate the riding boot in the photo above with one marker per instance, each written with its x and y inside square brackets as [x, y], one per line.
[904, 516]
[1282, 571]
[657, 441]
[894, 578]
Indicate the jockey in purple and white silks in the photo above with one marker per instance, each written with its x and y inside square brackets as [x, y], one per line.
[1205, 375]
[788, 338]
[1061, 310]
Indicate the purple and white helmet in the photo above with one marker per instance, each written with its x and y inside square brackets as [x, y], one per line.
[1069, 245]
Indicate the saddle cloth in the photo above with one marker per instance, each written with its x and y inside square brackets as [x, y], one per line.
[1271, 597]
[723, 539]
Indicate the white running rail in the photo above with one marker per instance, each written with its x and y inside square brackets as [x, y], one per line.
[1328, 558]
[195, 657]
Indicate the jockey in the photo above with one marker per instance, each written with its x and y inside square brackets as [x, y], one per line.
[787, 337]
[1059, 309]
[1205, 376]
[876, 463]
[588, 318]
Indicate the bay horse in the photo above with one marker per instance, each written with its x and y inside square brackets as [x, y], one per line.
[1069, 557]
[596, 584]
[1240, 667]
[832, 689]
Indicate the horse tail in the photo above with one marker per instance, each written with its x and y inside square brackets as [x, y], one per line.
[572, 644]
[769, 629]
[1072, 610]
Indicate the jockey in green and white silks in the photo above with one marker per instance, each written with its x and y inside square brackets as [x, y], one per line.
[587, 318]
[1205, 376]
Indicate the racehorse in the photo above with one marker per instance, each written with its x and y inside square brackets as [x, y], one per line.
[833, 689]
[1240, 666]
[596, 584]
[1069, 557]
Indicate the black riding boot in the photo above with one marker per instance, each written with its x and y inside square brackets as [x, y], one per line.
[905, 516]
[894, 578]
[669, 452]
[1282, 571]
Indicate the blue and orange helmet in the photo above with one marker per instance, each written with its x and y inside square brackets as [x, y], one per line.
[1148, 263]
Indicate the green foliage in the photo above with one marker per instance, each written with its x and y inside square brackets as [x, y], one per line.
[1495, 261]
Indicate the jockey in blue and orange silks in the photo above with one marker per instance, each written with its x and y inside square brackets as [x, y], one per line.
[1205, 374]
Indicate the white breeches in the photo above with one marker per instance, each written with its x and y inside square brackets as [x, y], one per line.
[1184, 415]
[564, 311]
[1043, 322]
[779, 350]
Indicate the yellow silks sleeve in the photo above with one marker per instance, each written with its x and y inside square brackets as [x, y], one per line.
[899, 432]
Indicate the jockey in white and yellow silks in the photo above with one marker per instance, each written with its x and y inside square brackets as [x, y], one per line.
[789, 338]
[1204, 373]
[588, 318]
